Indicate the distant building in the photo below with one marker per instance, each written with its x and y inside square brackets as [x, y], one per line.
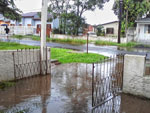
[143, 30]
[5, 21]
[34, 19]
[89, 29]
[111, 28]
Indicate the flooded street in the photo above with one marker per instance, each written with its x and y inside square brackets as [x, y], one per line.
[67, 90]
[104, 50]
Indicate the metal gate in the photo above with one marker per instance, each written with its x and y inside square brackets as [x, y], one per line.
[27, 62]
[107, 80]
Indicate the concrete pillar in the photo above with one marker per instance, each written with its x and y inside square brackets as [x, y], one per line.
[134, 80]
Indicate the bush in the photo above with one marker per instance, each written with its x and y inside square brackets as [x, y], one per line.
[55, 31]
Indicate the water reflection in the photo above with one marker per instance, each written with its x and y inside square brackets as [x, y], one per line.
[67, 90]
[26, 95]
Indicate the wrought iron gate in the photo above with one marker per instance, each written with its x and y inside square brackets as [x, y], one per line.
[27, 62]
[107, 80]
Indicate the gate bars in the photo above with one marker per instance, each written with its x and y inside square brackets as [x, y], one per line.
[107, 79]
[27, 62]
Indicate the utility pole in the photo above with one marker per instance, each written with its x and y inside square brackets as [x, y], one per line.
[43, 26]
[120, 18]
[87, 42]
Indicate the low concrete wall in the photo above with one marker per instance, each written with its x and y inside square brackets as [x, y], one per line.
[110, 39]
[134, 81]
[22, 57]
[6, 65]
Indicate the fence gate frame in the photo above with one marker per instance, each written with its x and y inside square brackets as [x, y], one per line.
[107, 80]
[28, 62]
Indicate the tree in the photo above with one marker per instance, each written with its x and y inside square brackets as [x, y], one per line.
[132, 10]
[77, 7]
[82, 6]
[100, 31]
[9, 9]
[60, 8]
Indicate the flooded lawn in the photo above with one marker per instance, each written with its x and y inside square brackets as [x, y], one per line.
[67, 90]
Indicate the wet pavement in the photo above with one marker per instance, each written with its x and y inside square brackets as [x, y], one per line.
[67, 90]
[104, 50]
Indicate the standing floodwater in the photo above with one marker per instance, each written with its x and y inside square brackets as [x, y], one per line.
[67, 90]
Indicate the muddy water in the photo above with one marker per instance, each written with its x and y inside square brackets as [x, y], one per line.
[66, 90]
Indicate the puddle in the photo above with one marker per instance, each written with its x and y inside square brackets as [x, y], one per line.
[67, 90]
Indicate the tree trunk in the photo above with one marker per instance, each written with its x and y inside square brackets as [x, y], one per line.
[126, 24]
[77, 23]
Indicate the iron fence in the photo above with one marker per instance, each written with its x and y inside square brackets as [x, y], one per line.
[107, 79]
[28, 62]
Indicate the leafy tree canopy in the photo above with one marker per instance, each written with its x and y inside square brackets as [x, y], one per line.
[9, 9]
[131, 11]
[73, 8]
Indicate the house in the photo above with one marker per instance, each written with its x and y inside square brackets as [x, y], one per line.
[34, 19]
[111, 28]
[5, 21]
[89, 29]
[143, 30]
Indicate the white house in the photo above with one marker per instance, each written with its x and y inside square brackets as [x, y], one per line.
[111, 28]
[143, 30]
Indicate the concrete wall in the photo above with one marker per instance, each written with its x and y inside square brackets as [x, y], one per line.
[6, 66]
[7, 63]
[131, 34]
[134, 81]
[109, 39]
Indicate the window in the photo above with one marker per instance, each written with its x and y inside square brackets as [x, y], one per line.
[110, 31]
[147, 29]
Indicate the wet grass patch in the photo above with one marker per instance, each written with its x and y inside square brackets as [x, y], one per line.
[130, 44]
[4, 85]
[37, 38]
[70, 41]
[67, 56]
[14, 46]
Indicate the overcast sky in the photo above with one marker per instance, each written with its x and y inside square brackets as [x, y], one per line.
[92, 17]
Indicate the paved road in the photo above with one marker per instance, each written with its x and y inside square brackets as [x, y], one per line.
[105, 50]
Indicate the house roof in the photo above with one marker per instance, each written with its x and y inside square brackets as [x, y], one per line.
[30, 14]
[110, 22]
[143, 20]
[34, 15]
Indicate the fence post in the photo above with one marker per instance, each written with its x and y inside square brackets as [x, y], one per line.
[46, 61]
[122, 71]
[14, 65]
[40, 62]
[92, 84]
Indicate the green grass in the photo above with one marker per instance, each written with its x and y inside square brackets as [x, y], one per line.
[37, 38]
[70, 41]
[130, 44]
[68, 56]
[6, 84]
[14, 46]
[62, 55]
